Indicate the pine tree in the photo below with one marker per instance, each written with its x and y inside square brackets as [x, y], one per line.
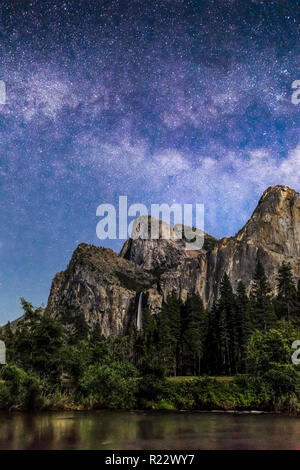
[244, 326]
[261, 302]
[227, 326]
[169, 331]
[211, 359]
[147, 346]
[98, 345]
[194, 332]
[286, 301]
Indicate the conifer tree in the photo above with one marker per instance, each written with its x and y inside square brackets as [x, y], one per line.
[194, 332]
[169, 331]
[147, 341]
[261, 302]
[243, 326]
[211, 350]
[227, 326]
[286, 301]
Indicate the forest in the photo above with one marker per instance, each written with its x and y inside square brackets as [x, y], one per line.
[236, 355]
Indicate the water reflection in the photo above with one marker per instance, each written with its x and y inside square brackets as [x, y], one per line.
[147, 430]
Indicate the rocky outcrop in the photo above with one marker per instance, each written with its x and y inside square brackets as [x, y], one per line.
[272, 235]
[164, 252]
[98, 286]
[103, 287]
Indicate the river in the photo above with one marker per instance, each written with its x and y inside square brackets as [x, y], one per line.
[112, 430]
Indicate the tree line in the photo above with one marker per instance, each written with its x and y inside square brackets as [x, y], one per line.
[187, 339]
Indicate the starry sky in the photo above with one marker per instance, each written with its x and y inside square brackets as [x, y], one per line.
[159, 100]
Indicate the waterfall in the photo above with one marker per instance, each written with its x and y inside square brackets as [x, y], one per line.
[139, 320]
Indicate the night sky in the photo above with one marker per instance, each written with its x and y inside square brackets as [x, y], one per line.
[162, 101]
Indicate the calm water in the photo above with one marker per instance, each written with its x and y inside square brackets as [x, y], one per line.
[147, 430]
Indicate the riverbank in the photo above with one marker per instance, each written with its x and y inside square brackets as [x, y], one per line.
[240, 394]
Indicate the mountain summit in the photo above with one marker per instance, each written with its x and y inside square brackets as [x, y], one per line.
[102, 286]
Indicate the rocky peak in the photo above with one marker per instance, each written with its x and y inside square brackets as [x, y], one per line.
[164, 251]
[272, 235]
[105, 287]
[99, 286]
[168, 250]
[275, 223]
[277, 193]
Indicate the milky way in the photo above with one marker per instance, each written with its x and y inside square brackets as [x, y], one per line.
[162, 101]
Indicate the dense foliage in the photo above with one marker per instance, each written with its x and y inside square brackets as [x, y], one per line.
[246, 337]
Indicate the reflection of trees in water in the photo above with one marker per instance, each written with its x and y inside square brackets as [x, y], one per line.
[167, 430]
[38, 431]
[89, 430]
[63, 431]
[17, 430]
[104, 429]
[140, 430]
[7, 431]
[262, 432]
[119, 430]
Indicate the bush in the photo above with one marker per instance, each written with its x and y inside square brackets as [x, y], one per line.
[267, 348]
[33, 392]
[112, 386]
[151, 389]
[19, 388]
[211, 394]
[282, 379]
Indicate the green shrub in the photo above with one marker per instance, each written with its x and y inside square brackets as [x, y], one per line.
[282, 379]
[19, 388]
[151, 389]
[33, 392]
[111, 386]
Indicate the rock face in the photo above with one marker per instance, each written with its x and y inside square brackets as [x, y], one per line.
[164, 252]
[272, 235]
[104, 287]
[99, 286]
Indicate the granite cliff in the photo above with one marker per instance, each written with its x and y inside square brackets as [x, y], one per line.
[102, 286]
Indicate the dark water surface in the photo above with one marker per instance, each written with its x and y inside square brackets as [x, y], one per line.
[147, 430]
